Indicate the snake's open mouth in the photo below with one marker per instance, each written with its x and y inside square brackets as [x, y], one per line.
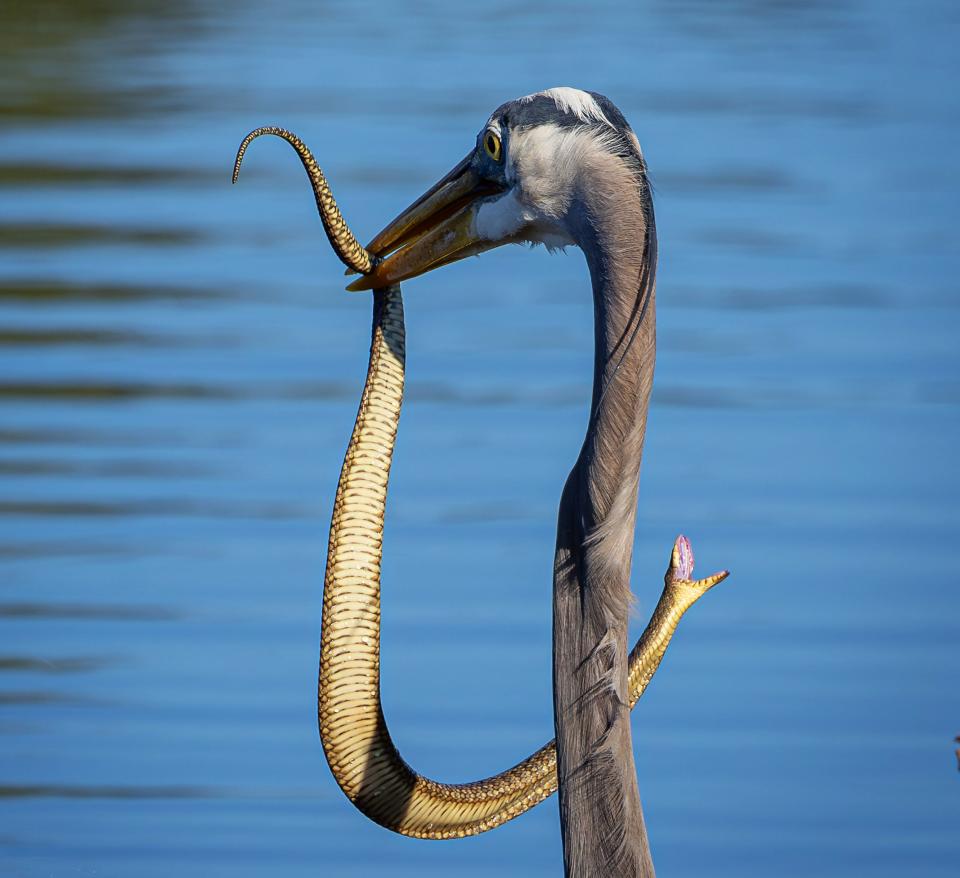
[438, 228]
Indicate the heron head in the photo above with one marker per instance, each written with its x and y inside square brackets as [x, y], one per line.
[538, 165]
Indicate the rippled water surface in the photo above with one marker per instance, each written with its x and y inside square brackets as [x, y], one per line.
[179, 369]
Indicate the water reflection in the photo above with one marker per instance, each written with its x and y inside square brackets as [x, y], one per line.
[181, 508]
[63, 791]
[42, 291]
[98, 612]
[770, 299]
[99, 392]
[26, 236]
[91, 438]
[95, 337]
[73, 82]
[31, 664]
[25, 550]
[179, 367]
[116, 469]
[739, 181]
[14, 699]
[26, 175]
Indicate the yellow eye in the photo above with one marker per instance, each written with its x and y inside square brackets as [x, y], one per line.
[491, 143]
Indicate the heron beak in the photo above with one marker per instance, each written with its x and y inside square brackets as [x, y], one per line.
[438, 228]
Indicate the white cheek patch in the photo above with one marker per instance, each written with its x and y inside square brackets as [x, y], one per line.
[500, 219]
[507, 218]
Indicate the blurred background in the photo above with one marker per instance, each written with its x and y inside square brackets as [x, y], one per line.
[180, 366]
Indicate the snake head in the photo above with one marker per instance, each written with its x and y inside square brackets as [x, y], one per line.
[681, 567]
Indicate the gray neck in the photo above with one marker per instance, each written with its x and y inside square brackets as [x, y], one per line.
[601, 817]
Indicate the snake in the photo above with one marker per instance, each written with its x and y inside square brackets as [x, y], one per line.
[361, 754]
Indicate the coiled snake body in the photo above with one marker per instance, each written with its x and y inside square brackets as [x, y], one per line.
[357, 743]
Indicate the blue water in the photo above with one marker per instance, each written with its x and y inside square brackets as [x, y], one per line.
[179, 369]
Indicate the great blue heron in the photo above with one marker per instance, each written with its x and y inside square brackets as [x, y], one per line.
[560, 167]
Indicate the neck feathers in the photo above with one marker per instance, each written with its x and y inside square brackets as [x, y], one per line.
[618, 237]
[601, 817]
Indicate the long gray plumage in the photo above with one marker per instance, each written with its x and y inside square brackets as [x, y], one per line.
[601, 817]
[580, 178]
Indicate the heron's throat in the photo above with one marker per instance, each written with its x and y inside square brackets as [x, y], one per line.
[620, 247]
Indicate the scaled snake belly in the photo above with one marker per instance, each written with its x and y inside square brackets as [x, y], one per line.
[357, 743]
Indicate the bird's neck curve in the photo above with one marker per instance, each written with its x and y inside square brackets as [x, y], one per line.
[601, 816]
